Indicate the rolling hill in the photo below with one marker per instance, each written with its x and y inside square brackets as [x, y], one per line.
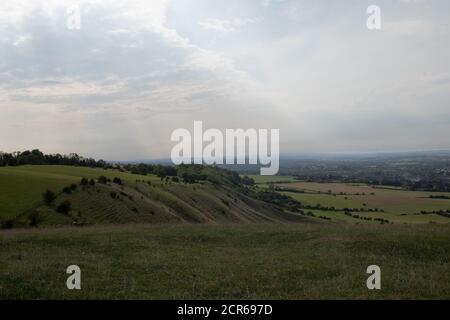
[133, 199]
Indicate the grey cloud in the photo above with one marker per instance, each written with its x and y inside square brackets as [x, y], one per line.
[137, 70]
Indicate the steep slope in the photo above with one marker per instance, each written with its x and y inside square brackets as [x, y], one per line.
[141, 202]
[206, 195]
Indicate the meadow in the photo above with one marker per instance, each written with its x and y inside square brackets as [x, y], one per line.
[251, 261]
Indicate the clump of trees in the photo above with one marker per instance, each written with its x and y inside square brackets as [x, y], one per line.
[49, 198]
[248, 181]
[70, 189]
[84, 182]
[280, 200]
[146, 168]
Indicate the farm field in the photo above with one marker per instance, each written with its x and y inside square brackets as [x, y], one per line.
[257, 261]
[396, 205]
[275, 179]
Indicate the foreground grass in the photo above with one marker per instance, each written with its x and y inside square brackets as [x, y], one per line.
[299, 261]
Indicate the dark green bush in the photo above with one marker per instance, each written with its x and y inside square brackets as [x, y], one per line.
[117, 181]
[48, 197]
[64, 207]
[67, 190]
[34, 218]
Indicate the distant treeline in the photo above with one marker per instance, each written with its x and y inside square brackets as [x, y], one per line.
[36, 157]
[187, 173]
[431, 184]
[439, 197]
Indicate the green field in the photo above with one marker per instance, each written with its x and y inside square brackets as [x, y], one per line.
[399, 206]
[274, 179]
[269, 261]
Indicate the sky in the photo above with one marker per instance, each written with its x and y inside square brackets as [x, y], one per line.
[134, 71]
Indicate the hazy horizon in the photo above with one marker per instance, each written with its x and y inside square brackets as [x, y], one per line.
[135, 71]
[283, 156]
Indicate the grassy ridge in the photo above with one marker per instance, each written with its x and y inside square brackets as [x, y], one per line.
[139, 202]
[300, 261]
[136, 199]
[22, 187]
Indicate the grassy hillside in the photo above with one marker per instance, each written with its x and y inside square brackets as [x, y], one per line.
[22, 187]
[278, 261]
[136, 199]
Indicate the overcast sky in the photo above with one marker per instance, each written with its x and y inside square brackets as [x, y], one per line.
[136, 70]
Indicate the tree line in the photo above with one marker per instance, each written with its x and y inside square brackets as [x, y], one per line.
[188, 173]
[36, 157]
